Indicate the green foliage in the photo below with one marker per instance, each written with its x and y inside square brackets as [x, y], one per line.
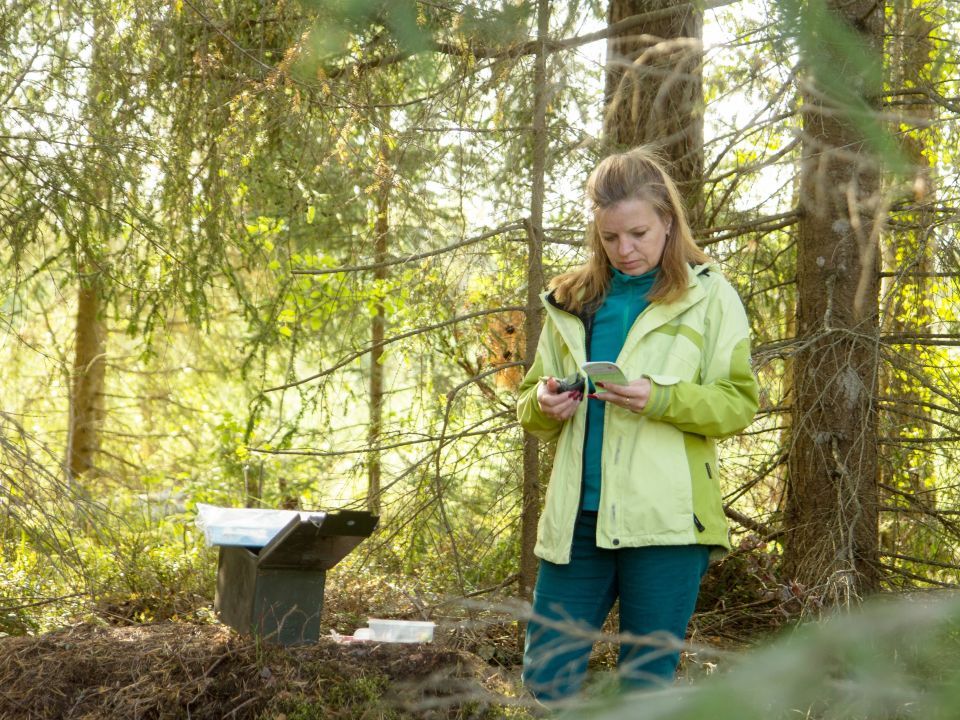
[119, 568]
[357, 697]
[146, 576]
[892, 660]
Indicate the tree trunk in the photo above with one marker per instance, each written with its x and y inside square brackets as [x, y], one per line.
[831, 515]
[654, 91]
[89, 367]
[86, 407]
[378, 330]
[530, 514]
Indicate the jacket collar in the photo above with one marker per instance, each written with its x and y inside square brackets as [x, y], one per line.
[659, 314]
[571, 325]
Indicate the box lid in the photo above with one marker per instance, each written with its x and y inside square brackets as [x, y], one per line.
[245, 527]
[317, 542]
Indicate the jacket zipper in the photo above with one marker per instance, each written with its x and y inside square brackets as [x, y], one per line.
[586, 322]
[696, 521]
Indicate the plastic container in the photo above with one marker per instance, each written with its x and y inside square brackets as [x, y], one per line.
[401, 631]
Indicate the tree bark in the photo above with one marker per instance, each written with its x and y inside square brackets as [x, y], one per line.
[831, 541]
[530, 513]
[89, 370]
[654, 91]
[378, 328]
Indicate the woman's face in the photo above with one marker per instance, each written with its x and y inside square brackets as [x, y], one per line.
[632, 235]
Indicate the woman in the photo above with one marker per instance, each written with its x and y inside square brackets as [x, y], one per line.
[633, 510]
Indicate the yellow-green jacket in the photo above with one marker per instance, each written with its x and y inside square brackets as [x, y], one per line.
[659, 475]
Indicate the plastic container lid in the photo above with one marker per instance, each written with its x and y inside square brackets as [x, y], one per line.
[401, 631]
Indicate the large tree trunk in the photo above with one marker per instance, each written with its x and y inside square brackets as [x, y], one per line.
[654, 90]
[831, 514]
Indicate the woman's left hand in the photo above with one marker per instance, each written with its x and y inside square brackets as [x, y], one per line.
[632, 397]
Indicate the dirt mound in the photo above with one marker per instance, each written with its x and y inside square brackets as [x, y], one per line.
[175, 670]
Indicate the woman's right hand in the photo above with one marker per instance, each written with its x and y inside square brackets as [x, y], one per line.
[555, 405]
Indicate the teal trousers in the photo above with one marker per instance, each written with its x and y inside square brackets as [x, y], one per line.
[657, 587]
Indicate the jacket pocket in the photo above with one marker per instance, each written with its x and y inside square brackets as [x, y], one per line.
[705, 484]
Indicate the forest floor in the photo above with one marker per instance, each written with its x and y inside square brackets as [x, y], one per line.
[181, 670]
[186, 665]
[176, 669]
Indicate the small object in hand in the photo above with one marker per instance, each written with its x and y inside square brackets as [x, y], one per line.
[573, 383]
[604, 373]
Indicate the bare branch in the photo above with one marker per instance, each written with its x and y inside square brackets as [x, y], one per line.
[392, 446]
[396, 338]
[922, 561]
[414, 258]
[758, 527]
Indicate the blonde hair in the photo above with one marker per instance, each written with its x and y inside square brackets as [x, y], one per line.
[636, 174]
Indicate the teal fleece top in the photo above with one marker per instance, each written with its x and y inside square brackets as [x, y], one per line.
[625, 300]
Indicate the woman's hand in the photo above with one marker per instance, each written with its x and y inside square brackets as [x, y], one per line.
[632, 397]
[556, 405]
